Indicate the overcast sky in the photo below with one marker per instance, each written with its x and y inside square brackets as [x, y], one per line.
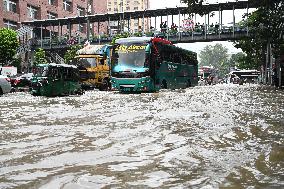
[227, 19]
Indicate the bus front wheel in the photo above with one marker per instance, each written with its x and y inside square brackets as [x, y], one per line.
[164, 84]
[188, 83]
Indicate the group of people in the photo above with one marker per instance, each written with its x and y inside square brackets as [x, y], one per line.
[215, 27]
[164, 27]
[197, 27]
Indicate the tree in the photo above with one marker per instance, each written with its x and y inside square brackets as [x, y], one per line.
[216, 56]
[8, 45]
[69, 56]
[195, 6]
[266, 26]
[40, 57]
[239, 60]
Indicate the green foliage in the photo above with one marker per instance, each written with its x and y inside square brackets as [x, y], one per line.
[118, 36]
[239, 60]
[138, 34]
[254, 50]
[195, 6]
[8, 45]
[266, 24]
[40, 57]
[216, 56]
[16, 62]
[69, 56]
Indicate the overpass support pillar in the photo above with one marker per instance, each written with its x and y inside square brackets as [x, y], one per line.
[219, 28]
[78, 33]
[99, 33]
[205, 27]
[161, 24]
[41, 35]
[179, 34]
[233, 20]
[98, 27]
[128, 24]
[59, 32]
[167, 25]
[69, 28]
[247, 18]
[155, 23]
[108, 26]
[119, 27]
[88, 29]
[143, 24]
[50, 36]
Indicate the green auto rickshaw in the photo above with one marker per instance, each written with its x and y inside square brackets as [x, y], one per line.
[55, 80]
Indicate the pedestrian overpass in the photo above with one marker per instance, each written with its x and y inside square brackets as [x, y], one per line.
[48, 34]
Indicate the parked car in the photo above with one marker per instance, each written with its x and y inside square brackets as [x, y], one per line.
[5, 85]
[23, 80]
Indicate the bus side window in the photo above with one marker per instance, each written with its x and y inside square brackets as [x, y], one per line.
[54, 73]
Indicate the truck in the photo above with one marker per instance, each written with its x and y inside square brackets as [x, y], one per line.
[93, 62]
[8, 71]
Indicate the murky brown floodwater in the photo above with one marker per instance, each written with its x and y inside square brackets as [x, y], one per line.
[223, 136]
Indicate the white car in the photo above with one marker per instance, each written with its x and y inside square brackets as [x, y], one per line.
[5, 85]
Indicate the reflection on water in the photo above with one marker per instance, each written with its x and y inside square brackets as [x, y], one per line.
[223, 136]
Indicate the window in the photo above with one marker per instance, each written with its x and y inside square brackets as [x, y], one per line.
[67, 4]
[51, 2]
[135, 8]
[127, 8]
[32, 12]
[80, 11]
[10, 24]
[10, 6]
[51, 15]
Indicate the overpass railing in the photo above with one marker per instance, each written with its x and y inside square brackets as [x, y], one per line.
[197, 35]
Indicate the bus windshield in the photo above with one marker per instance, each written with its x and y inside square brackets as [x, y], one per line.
[129, 56]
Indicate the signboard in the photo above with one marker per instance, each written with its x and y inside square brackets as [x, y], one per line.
[188, 24]
[130, 48]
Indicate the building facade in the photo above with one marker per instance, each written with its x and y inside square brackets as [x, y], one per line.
[15, 11]
[135, 25]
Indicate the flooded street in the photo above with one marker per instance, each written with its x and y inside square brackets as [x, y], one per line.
[222, 136]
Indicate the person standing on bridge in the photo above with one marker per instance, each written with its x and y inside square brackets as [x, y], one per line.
[203, 29]
[161, 26]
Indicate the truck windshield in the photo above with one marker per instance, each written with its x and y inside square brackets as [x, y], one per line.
[88, 62]
[129, 56]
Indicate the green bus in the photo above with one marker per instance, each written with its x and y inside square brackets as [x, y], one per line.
[55, 80]
[145, 64]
